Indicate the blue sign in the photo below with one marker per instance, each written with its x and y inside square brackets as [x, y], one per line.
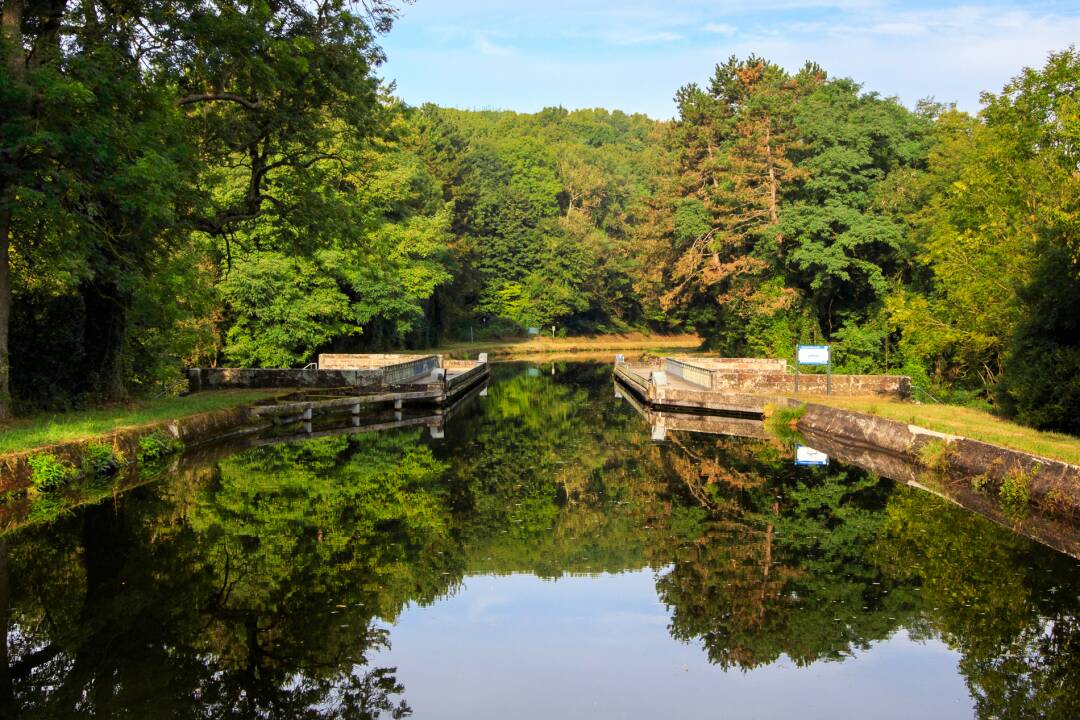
[812, 355]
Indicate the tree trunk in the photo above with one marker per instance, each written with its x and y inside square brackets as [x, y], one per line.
[5, 307]
[104, 335]
[15, 65]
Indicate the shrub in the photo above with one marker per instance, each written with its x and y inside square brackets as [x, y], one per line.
[782, 423]
[48, 472]
[101, 460]
[155, 446]
[1014, 492]
[934, 456]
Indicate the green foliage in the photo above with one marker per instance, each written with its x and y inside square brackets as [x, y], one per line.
[1014, 493]
[48, 473]
[934, 456]
[286, 309]
[782, 423]
[156, 446]
[100, 459]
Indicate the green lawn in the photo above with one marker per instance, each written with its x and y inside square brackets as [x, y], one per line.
[50, 429]
[966, 422]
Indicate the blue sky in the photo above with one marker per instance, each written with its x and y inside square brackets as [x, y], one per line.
[516, 646]
[630, 54]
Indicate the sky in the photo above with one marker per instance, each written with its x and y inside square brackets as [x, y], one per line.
[633, 55]
[517, 646]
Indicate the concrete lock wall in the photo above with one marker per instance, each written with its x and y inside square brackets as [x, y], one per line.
[343, 361]
[221, 378]
[736, 365]
[780, 383]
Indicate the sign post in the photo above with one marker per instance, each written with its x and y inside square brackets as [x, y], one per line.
[814, 355]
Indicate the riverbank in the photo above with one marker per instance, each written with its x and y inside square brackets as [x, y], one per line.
[48, 429]
[962, 421]
[515, 348]
[1001, 477]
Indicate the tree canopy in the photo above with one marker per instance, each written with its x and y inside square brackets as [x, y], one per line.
[233, 183]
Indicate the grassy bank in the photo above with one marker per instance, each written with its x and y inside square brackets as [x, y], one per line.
[966, 422]
[49, 429]
[515, 347]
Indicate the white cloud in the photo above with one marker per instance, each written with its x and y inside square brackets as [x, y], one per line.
[720, 29]
[637, 37]
[485, 46]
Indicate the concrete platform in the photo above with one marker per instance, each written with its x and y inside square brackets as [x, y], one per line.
[741, 386]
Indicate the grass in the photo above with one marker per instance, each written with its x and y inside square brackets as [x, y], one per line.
[782, 423]
[585, 343]
[43, 430]
[966, 422]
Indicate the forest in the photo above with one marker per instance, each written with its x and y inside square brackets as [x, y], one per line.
[234, 183]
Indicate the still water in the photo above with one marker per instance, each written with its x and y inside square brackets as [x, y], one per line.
[543, 559]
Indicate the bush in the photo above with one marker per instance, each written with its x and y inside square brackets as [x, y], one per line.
[934, 456]
[157, 445]
[783, 423]
[1014, 492]
[48, 472]
[101, 460]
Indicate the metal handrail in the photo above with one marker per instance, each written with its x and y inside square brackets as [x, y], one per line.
[400, 373]
[926, 392]
[690, 373]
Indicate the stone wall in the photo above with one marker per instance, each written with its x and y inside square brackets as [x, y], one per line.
[735, 365]
[222, 378]
[775, 383]
[1053, 486]
[367, 361]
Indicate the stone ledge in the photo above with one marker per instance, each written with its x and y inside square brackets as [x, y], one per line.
[191, 430]
[1053, 485]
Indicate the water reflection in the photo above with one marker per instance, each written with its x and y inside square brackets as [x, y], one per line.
[267, 583]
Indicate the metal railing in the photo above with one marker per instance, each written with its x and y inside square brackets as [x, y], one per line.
[405, 372]
[690, 373]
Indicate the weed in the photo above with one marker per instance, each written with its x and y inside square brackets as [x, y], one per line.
[48, 472]
[1014, 493]
[783, 423]
[979, 482]
[46, 508]
[934, 456]
[101, 460]
[1057, 502]
[157, 445]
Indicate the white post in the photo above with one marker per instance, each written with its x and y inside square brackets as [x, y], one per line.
[659, 431]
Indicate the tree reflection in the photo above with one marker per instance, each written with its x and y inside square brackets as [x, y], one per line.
[256, 587]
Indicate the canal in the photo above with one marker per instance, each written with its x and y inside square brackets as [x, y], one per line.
[543, 558]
